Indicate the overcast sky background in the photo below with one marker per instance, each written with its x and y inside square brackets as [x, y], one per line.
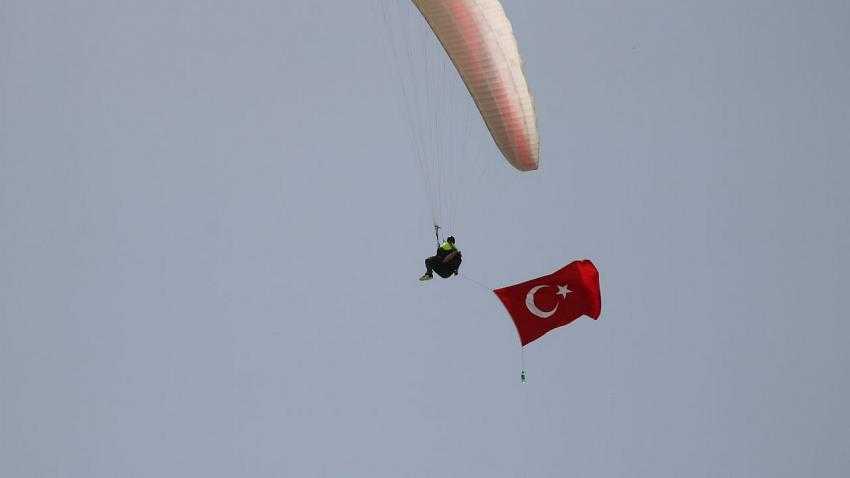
[211, 229]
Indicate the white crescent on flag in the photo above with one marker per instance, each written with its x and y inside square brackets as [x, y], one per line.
[532, 307]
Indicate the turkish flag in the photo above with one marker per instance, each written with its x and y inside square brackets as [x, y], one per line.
[540, 305]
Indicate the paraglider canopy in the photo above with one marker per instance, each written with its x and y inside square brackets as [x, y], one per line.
[479, 39]
[432, 44]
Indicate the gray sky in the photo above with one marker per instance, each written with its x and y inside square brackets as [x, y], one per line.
[211, 229]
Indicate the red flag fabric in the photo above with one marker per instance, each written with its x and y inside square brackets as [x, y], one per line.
[540, 305]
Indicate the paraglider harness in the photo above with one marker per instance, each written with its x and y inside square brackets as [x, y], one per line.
[445, 269]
